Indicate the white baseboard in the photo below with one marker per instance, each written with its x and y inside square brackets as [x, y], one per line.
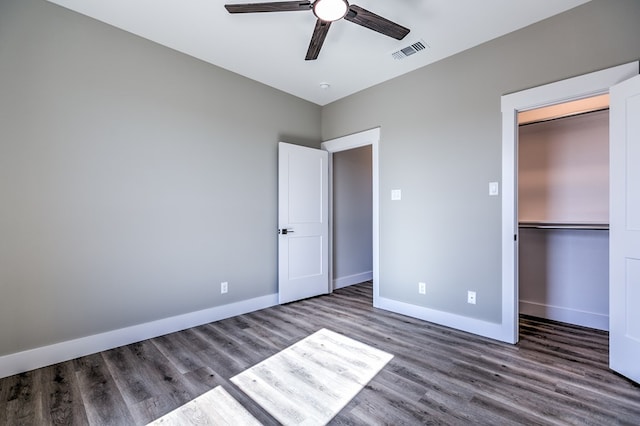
[471, 325]
[47, 355]
[568, 315]
[352, 279]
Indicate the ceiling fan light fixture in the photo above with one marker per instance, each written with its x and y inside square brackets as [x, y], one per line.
[330, 10]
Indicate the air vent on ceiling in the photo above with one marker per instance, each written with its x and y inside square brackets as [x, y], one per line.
[410, 50]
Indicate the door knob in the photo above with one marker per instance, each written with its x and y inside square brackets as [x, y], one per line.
[285, 231]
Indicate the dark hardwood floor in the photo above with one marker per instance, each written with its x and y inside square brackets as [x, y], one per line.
[556, 375]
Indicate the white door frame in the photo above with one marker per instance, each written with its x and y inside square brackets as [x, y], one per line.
[356, 140]
[584, 86]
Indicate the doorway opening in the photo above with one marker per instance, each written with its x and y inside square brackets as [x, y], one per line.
[563, 212]
[352, 217]
[347, 268]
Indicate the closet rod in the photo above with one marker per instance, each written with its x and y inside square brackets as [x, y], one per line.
[577, 226]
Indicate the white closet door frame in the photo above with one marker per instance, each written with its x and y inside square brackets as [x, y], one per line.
[584, 86]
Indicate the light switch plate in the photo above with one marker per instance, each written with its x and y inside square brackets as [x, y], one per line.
[396, 195]
[494, 188]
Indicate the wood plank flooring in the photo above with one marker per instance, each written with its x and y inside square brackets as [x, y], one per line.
[556, 375]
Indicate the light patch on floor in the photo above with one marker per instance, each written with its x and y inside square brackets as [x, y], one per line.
[312, 380]
[215, 407]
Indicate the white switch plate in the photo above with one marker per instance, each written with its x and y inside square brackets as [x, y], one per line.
[471, 297]
[396, 194]
[422, 288]
[224, 287]
[494, 188]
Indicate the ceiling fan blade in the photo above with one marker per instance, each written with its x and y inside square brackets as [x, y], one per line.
[317, 39]
[374, 22]
[276, 6]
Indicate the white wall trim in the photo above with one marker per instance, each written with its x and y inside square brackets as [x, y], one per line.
[47, 355]
[356, 140]
[584, 86]
[352, 279]
[568, 315]
[459, 322]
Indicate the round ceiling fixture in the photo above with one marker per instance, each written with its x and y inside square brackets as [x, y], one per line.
[325, 86]
[330, 10]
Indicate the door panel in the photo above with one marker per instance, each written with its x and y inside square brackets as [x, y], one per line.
[303, 241]
[624, 249]
[632, 291]
[632, 130]
[306, 173]
[305, 256]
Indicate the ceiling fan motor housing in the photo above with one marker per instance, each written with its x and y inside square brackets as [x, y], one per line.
[330, 10]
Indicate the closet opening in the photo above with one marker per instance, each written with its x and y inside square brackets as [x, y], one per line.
[563, 212]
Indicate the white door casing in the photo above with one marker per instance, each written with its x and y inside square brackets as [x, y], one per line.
[580, 87]
[303, 222]
[371, 138]
[624, 234]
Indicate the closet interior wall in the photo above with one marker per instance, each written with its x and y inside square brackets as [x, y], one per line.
[563, 210]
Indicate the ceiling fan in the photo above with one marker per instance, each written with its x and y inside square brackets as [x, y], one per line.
[327, 11]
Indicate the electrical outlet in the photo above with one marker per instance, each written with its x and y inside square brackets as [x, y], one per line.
[422, 288]
[471, 297]
[224, 287]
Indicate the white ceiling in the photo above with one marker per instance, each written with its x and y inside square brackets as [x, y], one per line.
[270, 47]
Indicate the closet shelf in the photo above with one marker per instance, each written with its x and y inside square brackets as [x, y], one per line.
[576, 226]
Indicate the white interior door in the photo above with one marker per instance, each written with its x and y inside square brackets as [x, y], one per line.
[624, 251]
[303, 225]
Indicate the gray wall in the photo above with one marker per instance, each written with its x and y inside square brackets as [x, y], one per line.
[564, 275]
[133, 179]
[441, 144]
[563, 170]
[352, 214]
